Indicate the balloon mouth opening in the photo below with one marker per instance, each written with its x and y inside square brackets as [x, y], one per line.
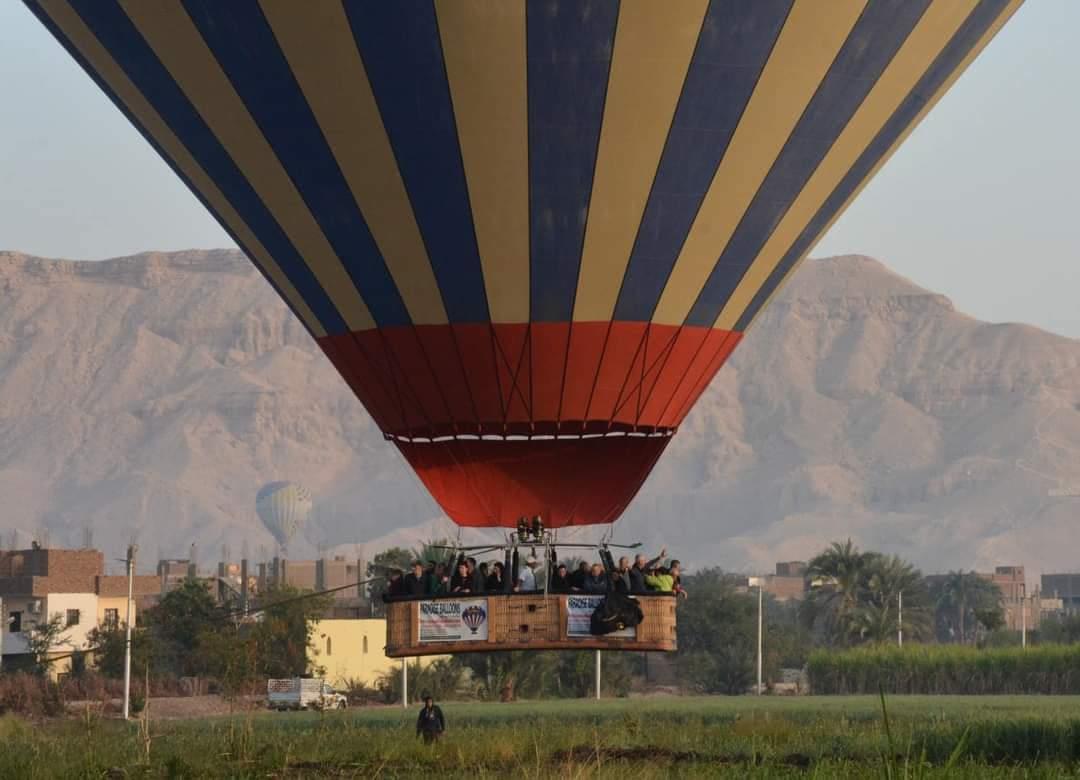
[565, 431]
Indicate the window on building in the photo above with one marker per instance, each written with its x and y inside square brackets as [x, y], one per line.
[72, 617]
[329, 647]
[112, 618]
[365, 643]
[15, 622]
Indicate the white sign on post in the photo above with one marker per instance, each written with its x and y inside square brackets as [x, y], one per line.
[454, 620]
[579, 611]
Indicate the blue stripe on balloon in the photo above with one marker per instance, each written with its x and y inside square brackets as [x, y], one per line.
[244, 45]
[569, 46]
[71, 49]
[876, 37]
[732, 49]
[118, 35]
[973, 28]
[402, 53]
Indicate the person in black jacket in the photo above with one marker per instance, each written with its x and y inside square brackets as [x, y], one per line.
[577, 579]
[431, 723]
[637, 571]
[560, 580]
[415, 583]
[476, 579]
[596, 581]
[494, 583]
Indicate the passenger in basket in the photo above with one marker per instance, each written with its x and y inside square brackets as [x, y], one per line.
[676, 578]
[494, 582]
[415, 583]
[394, 584]
[660, 580]
[596, 582]
[527, 576]
[476, 579]
[621, 576]
[440, 581]
[637, 571]
[577, 579]
[462, 581]
[560, 580]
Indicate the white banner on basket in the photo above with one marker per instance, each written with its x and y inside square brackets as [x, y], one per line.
[579, 610]
[454, 620]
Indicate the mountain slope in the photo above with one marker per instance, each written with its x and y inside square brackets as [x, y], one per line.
[153, 395]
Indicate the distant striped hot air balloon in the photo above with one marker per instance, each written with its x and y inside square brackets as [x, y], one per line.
[527, 232]
[284, 508]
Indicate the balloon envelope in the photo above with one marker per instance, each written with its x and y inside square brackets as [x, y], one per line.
[284, 507]
[527, 233]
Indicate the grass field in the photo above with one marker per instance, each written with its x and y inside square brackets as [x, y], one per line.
[768, 737]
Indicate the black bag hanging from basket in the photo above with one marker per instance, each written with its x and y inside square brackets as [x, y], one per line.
[614, 613]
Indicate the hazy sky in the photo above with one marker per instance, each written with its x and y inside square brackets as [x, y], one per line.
[980, 204]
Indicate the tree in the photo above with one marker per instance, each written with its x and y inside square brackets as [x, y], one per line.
[108, 643]
[962, 601]
[717, 632]
[432, 550]
[836, 577]
[884, 579]
[1061, 629]
[178, 620]
[854, 596]
[42, 639]
[283, 637]
[379, 569]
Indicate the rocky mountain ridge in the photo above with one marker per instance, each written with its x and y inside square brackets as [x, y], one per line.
[149, 397]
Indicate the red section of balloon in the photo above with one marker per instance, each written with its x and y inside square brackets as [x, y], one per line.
[502, 421]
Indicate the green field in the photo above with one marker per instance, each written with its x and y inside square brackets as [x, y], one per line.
[768, 737]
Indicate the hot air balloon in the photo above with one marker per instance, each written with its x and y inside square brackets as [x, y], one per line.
[284, 508]
[528, 233]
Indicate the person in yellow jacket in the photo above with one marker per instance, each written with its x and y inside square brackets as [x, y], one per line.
[660, 579]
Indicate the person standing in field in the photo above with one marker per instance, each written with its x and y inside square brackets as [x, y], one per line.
[431, 723]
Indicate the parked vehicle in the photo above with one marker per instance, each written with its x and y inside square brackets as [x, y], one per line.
[303, 693]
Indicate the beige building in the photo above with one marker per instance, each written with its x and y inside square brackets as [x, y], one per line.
[39, 584]
[355, 650]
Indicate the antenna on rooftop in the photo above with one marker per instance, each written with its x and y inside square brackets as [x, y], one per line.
[88, 538]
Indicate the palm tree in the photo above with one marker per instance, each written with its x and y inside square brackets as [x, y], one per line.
[853, 595]
[959, 597]
[885, 578]
[836, 577]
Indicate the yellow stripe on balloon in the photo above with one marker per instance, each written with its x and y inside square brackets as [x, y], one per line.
[169, 31]
[483, 45]
[1006, 13]
[321, 51]
[933, 32]
[811, 38]
[654, 43]
[103, 64]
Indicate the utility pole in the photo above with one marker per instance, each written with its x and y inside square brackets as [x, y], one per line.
[760, 632]
[1023, 621]
[598, 674]
[405, 683]
[131, 550]
[760, 583]
[900, 619]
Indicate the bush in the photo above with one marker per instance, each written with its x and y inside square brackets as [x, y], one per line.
[359, 692]
[30, 695]
[946, 669]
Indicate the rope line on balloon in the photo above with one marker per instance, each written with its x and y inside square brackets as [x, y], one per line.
[665, 355]
[435, 379]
